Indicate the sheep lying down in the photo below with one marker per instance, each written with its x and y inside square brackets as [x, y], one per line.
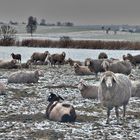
[88, 91]
[59, 111]
[135, 89]
[114, 91]
[24, 77]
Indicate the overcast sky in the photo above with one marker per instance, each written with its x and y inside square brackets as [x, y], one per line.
[77, 11]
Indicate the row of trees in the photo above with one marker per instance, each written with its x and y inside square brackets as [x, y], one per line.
[8, 33]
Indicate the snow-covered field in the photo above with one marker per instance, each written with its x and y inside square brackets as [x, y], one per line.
[22, 110]
[76, 32]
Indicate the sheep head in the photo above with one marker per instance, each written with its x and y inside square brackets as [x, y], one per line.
[105, 64]
[109, 79]
[124, 57]
[53, 97]
[46, 53]
[76, 65]
[39, 73]
[81, 84]
[129, 56]
[63, 54]
[88, 62]
[12, 54]
[69, 60]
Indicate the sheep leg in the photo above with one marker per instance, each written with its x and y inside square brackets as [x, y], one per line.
[108, 114]
[117, 114]
[124, 110]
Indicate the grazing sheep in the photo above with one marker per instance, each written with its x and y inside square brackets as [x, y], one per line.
[102, 55]
[36, 56]
[24, 77]
[71, 62]
[9, 64]
[114, 91]
[135, 89]
[58, 111]
[123, 67]
[90, 92]
[16, 56]
[81, 70]
[133, 59]
[57, 58]
[2, 89]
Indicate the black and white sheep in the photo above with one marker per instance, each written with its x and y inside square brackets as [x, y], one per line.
[57, 58]
[25, 77]
[16, 56]
[114, 91]
[88, 91]
[123, 67]
[82, 70]
[36, 56]
[59, 111]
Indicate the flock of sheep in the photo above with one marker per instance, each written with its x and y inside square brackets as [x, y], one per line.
[114, 90]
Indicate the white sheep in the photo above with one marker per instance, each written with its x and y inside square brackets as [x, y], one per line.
[88, 91]
[24, 77]
[114, 91]
[8, 64]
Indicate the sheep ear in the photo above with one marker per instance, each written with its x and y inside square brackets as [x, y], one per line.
[102, 78]
[60, 97]
[114, 78]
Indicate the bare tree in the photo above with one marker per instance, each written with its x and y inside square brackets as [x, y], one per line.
[32, 25]
[7, 33]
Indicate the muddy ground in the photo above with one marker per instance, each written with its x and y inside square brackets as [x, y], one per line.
[22, 110]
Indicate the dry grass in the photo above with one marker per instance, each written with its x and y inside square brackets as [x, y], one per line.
[7, 42]
[83, 44]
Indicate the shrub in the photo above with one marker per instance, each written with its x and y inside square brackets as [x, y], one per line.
[83, 44]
